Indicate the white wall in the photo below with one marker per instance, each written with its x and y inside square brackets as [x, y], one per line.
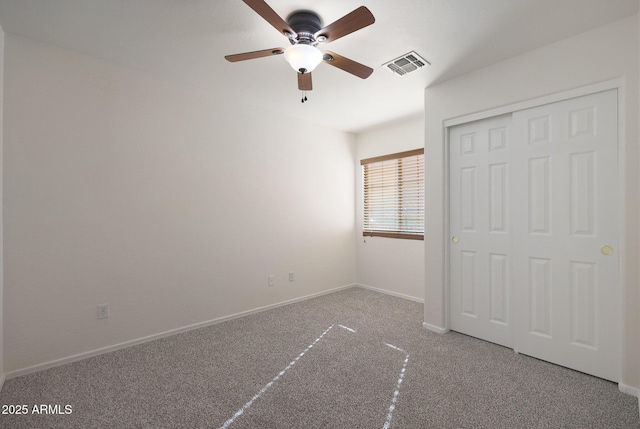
[392, 265]
[1, 210]
[606, 53]
[171, 206]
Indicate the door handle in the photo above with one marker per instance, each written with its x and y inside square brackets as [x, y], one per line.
[607, 250]
[455, 240]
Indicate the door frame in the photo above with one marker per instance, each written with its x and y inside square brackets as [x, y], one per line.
[618, 85]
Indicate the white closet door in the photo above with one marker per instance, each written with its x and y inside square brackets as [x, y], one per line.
[479, 225]
[565, 234]
[534, 227]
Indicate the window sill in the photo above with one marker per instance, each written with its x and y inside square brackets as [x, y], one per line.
[393, 235]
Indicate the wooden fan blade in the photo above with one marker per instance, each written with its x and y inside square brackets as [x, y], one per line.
[265, 11]
[304, 82]
[354, 21]
[347, 65]
[255, 54]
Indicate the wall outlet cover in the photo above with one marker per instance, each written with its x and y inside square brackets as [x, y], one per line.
[103, 311]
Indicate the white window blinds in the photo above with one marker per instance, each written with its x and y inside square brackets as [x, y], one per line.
[394, 195]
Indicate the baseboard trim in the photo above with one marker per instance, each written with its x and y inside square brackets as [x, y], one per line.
[123, 345]
[633, 391]
[435, 329]
[391, 293]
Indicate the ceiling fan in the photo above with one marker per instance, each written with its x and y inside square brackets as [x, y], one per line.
[304, 31]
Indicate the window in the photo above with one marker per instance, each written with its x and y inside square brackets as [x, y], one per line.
[394, 195]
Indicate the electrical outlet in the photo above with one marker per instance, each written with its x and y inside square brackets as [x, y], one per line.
[291, 276]
[103, 311]
[272, 280]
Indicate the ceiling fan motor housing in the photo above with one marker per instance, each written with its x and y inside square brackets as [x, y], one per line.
[306, 24]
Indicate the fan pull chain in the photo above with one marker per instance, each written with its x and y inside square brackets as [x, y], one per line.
[304, 96]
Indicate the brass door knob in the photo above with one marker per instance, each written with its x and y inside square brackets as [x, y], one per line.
[607, 250]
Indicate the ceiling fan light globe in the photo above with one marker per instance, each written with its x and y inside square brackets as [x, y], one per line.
[303, 58]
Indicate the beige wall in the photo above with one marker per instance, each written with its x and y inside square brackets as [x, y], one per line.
[609, 52]
[121, 188]
[393, 265]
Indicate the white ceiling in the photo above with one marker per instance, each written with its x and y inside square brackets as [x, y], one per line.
[186, 41]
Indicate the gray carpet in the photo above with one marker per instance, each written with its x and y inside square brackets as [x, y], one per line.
[352, 359]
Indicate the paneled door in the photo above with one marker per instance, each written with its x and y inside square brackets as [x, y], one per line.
[566, 236]
[479, 204]
[534, 228]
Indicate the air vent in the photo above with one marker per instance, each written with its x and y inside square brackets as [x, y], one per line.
[406, 64]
